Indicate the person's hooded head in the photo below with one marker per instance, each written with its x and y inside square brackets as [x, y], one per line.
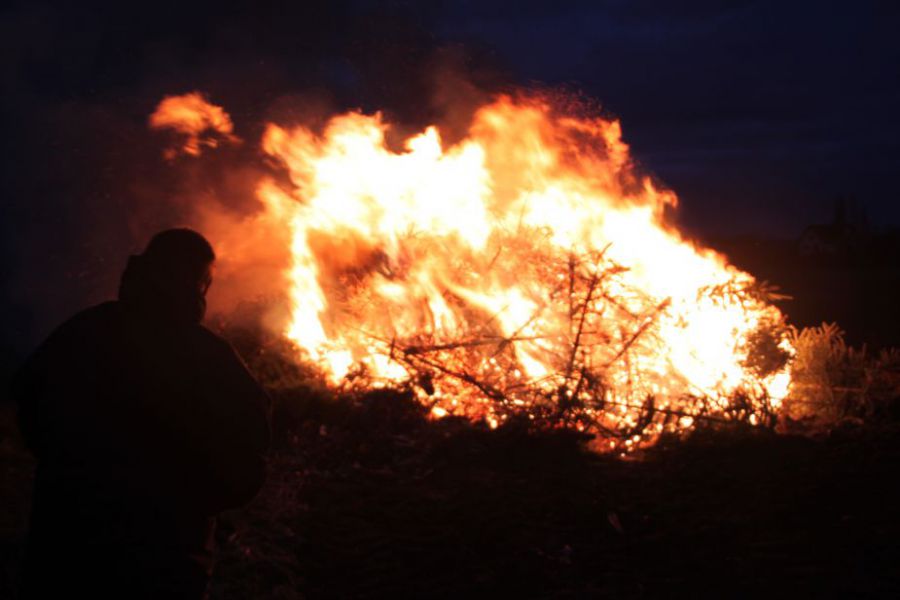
[170, 279]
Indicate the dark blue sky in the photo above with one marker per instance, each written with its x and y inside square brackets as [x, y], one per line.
[757, 113]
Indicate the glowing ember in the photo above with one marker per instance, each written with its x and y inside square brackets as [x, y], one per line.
[526, 269]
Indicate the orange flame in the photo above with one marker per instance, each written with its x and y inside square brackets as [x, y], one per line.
[527, 268]
[524, 268]
[192, 115]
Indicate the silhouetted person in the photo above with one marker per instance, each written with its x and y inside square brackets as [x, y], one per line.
[145, 425]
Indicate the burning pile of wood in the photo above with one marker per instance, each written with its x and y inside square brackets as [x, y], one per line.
[604, 337]
[528, 269]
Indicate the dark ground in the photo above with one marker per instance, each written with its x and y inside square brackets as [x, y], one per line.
[370, 500]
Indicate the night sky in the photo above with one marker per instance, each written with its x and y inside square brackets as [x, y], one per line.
[758, 114]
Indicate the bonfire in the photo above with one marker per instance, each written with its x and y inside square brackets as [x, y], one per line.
[528, 270]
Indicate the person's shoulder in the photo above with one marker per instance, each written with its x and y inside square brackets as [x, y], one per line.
[208, 336]
[100, 312]
[79, 336]
[210, 346]
[212, 341]
[91, 318]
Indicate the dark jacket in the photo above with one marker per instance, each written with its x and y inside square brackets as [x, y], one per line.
[144, 428]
